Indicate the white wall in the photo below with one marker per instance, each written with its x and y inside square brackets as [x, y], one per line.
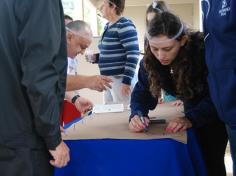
[185, 12]
[86, 68]
[137, 15]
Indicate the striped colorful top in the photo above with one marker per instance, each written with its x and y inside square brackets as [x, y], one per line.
[119, 50]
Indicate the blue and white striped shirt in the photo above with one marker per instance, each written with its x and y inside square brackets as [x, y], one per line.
[119, 50]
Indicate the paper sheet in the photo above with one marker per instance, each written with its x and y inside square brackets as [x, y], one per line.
[108, 108]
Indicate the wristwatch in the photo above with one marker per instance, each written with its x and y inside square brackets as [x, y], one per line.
[73, 100]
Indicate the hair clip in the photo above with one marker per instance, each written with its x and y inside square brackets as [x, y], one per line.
[181, 30]
[154, 6]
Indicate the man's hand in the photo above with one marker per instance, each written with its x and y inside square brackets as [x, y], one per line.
[99, 83]
[60, 155]
[91, 58]
[83, 105]
[125, 90]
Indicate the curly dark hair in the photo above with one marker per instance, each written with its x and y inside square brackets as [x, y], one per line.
[188, 79]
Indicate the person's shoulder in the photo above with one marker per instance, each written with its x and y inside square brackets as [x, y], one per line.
[125, 22]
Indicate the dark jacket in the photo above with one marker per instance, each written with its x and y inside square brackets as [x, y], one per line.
[32, 72]
[199, 109]
[220, 41]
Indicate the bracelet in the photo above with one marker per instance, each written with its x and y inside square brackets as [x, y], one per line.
[73, 100]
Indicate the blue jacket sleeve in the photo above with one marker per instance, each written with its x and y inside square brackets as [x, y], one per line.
[141, 98]
[202, 113]
[129, 40]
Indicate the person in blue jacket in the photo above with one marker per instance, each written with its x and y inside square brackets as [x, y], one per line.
[220, 42]
[174, 62]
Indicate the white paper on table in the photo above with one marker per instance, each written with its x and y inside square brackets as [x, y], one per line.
[101, 108]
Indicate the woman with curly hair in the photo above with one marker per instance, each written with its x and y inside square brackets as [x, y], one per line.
[174, 61]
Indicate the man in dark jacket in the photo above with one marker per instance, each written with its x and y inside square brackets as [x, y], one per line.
[33, 77]
[220, 42]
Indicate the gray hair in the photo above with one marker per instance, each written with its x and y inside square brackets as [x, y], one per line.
[78, 27]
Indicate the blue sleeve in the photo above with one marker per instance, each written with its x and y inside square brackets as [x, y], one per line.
[202, 113]
[129, 40]
[141, 98]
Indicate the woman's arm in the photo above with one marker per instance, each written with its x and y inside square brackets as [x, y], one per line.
[141, 98]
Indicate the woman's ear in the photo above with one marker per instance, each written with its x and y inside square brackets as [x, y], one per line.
[183, 40]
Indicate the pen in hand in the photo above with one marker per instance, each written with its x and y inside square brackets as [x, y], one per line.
[142, 120]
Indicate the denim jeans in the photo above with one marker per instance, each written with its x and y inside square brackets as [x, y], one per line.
[232, 141]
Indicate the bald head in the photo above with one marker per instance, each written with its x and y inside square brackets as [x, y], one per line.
[81, 28]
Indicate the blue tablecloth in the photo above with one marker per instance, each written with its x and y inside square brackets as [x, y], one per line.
[163, 157]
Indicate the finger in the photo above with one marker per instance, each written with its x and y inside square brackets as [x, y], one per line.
[147, 121]
[138, 127]
[87, 108]
[64, 157]
[65, 161]
[107, 79]
[133, 128]
[52, 162]
[183, 128]
[68, 157]
[102, 87]
[135, 125]
[58, 163]
[180, 103]
[171, 126]
[139, 123]
[62, 129]
[177, 128]
[107, 84]
[173, 104]
[168, 129]
[98, 88]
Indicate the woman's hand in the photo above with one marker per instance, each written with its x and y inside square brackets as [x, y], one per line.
[177, 103]
[125, 90]
[136, 125]
[178, 124]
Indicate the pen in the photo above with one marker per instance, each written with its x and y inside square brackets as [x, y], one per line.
[142, 120]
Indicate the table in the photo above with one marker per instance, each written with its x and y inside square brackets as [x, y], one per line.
[156, 157]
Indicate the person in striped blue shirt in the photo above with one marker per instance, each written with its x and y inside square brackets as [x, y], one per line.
[119, 52]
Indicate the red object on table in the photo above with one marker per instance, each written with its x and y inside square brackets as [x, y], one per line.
[70, 115]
